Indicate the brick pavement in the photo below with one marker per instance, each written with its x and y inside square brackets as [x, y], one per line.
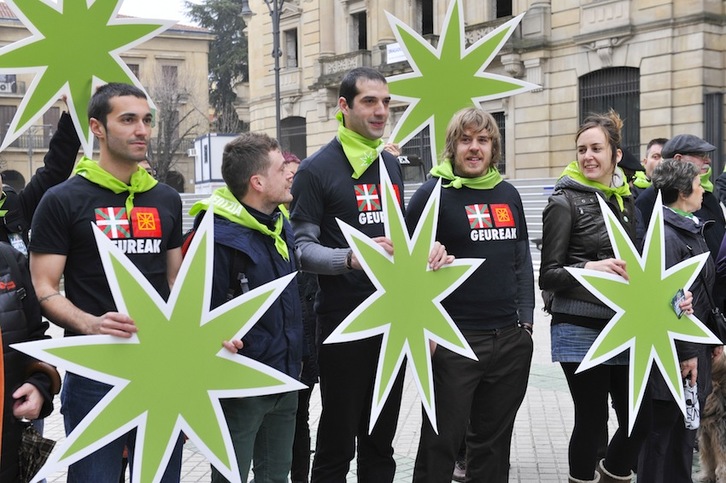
[539, 445]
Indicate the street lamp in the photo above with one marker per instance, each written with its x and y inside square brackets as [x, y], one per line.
[274, 7]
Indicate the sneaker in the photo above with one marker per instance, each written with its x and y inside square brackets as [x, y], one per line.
[459, 471]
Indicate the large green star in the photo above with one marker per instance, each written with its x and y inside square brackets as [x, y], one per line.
[644, 322]
[170, 377]
[74, 47]
[448, 78]
[406, 306]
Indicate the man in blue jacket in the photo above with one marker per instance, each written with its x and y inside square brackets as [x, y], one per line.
[253, 245]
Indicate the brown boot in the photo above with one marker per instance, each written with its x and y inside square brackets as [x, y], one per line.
[570, 479]
[607, 477]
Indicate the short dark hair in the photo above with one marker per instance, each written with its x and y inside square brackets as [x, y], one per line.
[245, 156]
[674, 177]
[659, 141]
[348, 88]
[100, 103]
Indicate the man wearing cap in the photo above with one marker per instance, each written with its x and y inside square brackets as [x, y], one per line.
[687, 147]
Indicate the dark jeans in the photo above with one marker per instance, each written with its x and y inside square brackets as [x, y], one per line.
[78, 397]
[485, 393]
[667, 453]
[347, 376]
[262, 428]
[590, 390]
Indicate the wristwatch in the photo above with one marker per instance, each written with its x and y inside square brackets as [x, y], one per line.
[349, 260]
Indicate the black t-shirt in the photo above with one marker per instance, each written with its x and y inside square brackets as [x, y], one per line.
[62, 225]
[484, 224]
[324, 191]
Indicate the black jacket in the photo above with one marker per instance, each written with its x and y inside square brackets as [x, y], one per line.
[574, 233]
[683, 240]
[20, 321]
[57, 167]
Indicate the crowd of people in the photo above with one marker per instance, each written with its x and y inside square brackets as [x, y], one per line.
[277, 215]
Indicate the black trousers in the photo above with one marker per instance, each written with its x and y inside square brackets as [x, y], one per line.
[590, 390]
[347, 376]
[667, 453]
[300, 470]
[484, 394]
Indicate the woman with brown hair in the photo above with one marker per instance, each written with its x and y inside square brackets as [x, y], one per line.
[574, 235]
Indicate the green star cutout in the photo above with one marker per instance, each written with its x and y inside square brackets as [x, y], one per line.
[644, 322]
[75, 47]
[406, 306]
[169, 377]
[448, 78]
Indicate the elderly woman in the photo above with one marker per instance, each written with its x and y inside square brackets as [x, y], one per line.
[29, 384]
[574, 235]
[667, 453]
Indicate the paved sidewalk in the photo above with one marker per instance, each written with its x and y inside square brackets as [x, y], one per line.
[539, 445]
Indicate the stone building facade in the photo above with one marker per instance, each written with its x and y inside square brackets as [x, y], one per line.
[180, 54]
[659, 63]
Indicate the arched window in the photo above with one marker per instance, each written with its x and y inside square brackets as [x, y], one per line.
[617, 88]
[294, 136]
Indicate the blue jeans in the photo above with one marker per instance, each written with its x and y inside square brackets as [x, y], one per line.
[262, 430]
[78, 397]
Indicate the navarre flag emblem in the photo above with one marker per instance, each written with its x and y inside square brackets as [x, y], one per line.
[479, 216]
[113, 222]
[502, 215]
[146, 222]
[367, 197]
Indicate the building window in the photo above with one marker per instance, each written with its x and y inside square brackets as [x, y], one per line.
[290, 48]
[50, 122]
[425, 16]
[418, 156]
[713, 120]
[499, 118]
[293, 131]
[616, 88]
[359, 31]
[134, 68]
[6, 116]
[504, 8]
[170, 75]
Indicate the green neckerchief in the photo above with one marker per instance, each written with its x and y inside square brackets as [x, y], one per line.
[686, 214]
[706, 183]
[360, 151]
[641, 180]
[488, 181]
[141, 181]
[3, 197]
[229, 207]
[573, 171]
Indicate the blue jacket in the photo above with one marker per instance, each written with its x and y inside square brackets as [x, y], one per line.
[277, 338]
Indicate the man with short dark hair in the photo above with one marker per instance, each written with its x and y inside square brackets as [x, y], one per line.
[254, 245]
[687, 147]
[341, 181]
[147, 218]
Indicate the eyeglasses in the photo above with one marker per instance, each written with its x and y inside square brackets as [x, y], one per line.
[699, 155]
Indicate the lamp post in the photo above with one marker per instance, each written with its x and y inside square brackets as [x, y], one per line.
[274, 7]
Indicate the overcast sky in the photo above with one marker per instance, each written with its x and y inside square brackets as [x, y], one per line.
[162, 9]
